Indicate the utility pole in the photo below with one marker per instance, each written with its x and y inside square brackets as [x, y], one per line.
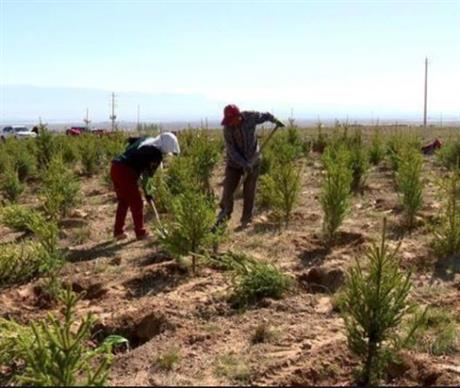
[86, 120]
[113, 116]
[138, 126]
[426, 92]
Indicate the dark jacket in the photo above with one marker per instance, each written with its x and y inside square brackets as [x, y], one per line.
[144, 160]
[241, 143]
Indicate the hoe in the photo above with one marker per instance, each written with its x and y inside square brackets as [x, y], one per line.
[152, 206]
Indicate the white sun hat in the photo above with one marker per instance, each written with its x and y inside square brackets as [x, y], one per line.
[167, 142]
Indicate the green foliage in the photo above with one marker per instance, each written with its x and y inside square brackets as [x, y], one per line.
[396, 143]
[46, 146]
[437, 334]
[19, 155]
[24, 261]
[447, 233]
[377, 150]
[113, 145]
[359, 165]
[158, 188]
[59, 190]
[320, 142]
[280, 189]
[253, 280]
[409, 182]
[91, 154]
[285, 147]
[335, 194]
[234, 368]
[20, 263]
[167, 360]
[203, 153]
[189, 231]
[15, 339]
[375, 302]
[10, 183]
[194, 168]
[263, 333]
[56, 354]
[449, 154]
[180, 176]
[68, 148]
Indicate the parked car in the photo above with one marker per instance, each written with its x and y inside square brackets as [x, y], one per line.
[75, 131]
[17, 131]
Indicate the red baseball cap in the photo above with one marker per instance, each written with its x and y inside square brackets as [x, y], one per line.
[230, 113]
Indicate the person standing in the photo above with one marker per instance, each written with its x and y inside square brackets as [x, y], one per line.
[141, 158]
[243, 159]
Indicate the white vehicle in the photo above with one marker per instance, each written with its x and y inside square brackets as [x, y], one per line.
[17, 131]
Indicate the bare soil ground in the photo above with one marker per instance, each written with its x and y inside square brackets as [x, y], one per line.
[141, 293]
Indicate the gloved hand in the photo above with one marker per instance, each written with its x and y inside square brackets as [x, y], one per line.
[279, 124]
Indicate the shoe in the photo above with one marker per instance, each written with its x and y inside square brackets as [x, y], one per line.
[121, 236]
[243, 225]
[144, 236]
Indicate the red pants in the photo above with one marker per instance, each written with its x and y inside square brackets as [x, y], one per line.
[124, 180]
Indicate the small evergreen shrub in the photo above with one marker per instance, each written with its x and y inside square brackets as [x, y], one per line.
[280, 189]
[11, 185]
[189, 231]
[335, 193]
[91, 154]
[46, 146]
[60, 189]
[377, 150]
[374, 305]
[409, 183]
[447, 234]
[449, 154]
[55, 351]
[253, 280]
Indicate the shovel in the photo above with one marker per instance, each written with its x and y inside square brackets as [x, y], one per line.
[157, 216]
[261, 148]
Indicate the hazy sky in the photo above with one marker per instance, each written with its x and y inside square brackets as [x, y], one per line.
[365, 56]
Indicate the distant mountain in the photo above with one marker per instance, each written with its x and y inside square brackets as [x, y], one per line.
[58, 104]
[25, 104]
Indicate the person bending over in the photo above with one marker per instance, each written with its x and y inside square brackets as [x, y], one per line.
[141, 159]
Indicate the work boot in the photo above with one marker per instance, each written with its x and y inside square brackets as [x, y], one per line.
[121, 236]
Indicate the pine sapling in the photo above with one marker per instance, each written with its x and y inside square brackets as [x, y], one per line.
[59, 190]
[335, 195]
[189, 231]
[409, 183]
[11, 185]
[375, 302]
[447, 233]
[359, 166]
[376, 152]
[59, 354]
[280, 190]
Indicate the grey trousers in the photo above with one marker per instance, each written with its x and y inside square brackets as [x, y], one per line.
[232, 178]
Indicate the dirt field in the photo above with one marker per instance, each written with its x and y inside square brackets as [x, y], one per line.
[141, 293]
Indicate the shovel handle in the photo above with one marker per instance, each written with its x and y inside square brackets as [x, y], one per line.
[153, 207]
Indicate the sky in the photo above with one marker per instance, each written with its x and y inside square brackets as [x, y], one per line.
[365, 58]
